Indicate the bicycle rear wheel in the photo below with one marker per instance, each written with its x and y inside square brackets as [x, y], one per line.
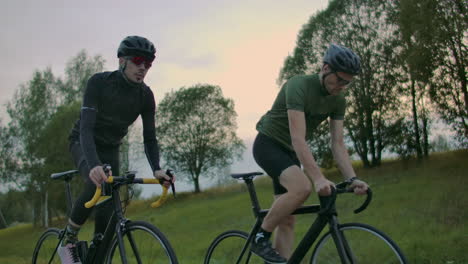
[46, 248]
[227, 247]
[144, 243]
[364, 243]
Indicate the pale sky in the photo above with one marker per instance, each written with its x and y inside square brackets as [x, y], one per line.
[239, 45]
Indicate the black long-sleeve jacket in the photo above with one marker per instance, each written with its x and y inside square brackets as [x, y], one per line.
[110, 106]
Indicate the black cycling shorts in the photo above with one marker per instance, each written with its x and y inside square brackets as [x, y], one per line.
[273, 158]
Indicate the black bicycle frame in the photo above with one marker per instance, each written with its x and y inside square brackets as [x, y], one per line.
[120, 222]
[101, 243]
[325, 216]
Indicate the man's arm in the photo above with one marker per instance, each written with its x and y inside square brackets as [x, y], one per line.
[297, 129]
[340, 153]
[150, 141]
[151, 147]
[339, 150]
[88, 120]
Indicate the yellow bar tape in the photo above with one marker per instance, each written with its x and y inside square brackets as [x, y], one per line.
[149, 180]
[95, 198]
[161, 199]
[97, 195]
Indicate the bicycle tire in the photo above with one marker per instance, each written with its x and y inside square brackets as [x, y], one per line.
[226, 248]
[367, 244]
[150, 243]
[46, 247]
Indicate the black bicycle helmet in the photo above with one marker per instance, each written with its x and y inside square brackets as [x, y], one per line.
[136, 46]
[342, 59]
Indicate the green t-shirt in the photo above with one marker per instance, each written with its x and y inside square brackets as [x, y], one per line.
[303, 93]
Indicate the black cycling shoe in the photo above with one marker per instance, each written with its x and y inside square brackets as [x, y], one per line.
[264, 250]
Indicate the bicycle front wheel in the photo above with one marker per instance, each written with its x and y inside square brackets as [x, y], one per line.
[227, 247]
[363, 244]
[46, 248]
[143, 243]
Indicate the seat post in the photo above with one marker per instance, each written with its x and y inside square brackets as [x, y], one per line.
[69, 197]
[253, 195]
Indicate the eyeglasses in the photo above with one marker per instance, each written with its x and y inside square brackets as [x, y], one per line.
[138, 60]
[341, 81]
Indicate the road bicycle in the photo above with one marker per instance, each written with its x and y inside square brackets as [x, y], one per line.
[349, 243]
[124, 241]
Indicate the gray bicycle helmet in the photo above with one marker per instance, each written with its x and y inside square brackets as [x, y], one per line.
[342, 59]
[136, 46]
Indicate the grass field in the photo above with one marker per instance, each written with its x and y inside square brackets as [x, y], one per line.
[423, 206]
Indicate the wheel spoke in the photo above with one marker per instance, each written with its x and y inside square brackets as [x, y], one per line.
[227, 248]
[143, 244]
[46, 248]
[363, 244]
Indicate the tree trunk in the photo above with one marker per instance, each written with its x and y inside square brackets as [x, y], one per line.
[46, 210]
[417, 136]
[370, 137]
[359, 150]
[196, 183]
[425, 136]
[34, 214]
[379, 141]
[3, 223]
[365, 149]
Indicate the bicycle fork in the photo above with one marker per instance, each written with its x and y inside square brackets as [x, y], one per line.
[120, 229]
[342, 245]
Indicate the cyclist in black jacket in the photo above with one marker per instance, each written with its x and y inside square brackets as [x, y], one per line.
[111, 103]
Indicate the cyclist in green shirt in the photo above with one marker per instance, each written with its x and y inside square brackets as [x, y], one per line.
[280, 147]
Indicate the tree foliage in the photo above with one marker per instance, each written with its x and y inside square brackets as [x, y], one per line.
[372, 98]
[77, 72]
[41, 114]
[30, 109]
[15, 207]
[196, 128]
[7, 161]
[449, 83]
[414, 64]
[433, 34]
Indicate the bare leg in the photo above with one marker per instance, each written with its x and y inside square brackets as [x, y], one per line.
[284, 236]
[299, 188]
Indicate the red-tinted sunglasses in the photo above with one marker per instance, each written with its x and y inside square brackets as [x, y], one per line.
[138, 60]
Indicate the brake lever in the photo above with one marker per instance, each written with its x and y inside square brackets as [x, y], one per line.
[169, 173]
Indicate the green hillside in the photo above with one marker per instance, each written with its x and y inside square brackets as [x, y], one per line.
[421, 205]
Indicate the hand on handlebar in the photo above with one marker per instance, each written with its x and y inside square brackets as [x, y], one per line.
[359, 187]
[166, 181]
[323, 186]
[356, 186]
[98, 176]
